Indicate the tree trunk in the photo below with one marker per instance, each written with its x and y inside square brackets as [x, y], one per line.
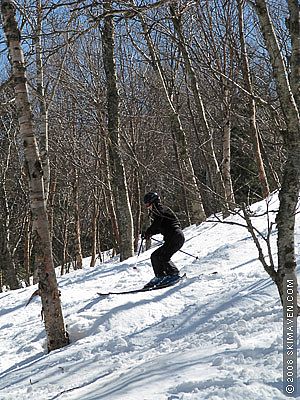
[294, 28]
[119, 184]
[226, 162]
[252, 107]
[290, 187]
[7, 260]
[7, 263]
[53, 318]
[77, 234]
[43, 112]
[50, 202]
[138, 209]
[65, 237]
[185, 196]
[109, 198]
[94, 223]
[215, 175]
[27, 247]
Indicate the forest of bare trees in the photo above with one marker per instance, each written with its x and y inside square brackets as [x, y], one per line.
[198, 100]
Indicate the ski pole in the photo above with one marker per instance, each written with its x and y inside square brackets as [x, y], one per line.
[188, 254]
[139, 252]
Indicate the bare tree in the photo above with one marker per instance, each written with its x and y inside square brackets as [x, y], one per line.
[119, 185]
[77, 230]
[251, 105]
[54, 323]
[213, 167]
[43, 110]
[8, 267]
[290, 186]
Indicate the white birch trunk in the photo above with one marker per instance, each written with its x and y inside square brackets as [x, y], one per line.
[43, 112]
[289, 192]
[54, 323]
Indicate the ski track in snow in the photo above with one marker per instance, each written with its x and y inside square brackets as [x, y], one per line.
[212, 336]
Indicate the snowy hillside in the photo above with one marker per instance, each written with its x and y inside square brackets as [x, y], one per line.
[213, 336]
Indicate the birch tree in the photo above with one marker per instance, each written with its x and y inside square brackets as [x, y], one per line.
[288, 92]
[43, 110]
[251, 105]
[53, 318]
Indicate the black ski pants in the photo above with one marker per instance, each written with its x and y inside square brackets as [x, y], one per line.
[161, 258]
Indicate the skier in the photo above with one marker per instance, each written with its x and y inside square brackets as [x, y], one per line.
[164, 221]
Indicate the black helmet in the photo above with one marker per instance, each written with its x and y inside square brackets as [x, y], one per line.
[151, 197]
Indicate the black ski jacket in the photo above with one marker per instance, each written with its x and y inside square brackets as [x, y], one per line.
[164, 221]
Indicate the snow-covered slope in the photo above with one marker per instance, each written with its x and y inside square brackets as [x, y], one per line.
[213, 336]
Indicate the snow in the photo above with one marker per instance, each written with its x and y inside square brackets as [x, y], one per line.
[213, 336]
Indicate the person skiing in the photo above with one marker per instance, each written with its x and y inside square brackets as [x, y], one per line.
[164, 221]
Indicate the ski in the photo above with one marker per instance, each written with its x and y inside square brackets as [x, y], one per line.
[144, 289]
